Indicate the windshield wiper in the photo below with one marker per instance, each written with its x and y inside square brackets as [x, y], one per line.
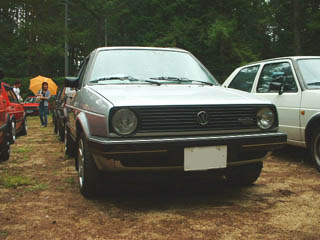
[122, 78]
[313, 83]
[181, 80]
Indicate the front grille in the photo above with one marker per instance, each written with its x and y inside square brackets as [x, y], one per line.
[184, 118]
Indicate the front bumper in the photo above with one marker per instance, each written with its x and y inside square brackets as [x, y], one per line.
[168, 152]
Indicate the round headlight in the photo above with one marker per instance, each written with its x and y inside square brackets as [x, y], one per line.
[124, 121]
[265, 118]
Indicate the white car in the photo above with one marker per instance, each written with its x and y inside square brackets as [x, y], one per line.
[159, 109]
[293, 85]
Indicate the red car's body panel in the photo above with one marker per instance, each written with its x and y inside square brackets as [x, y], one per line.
[13, 106]
[3, 117]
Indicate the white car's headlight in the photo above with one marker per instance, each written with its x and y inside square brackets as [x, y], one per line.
[265, 118]
[124, 121]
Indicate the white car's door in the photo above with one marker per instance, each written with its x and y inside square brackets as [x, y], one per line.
[288, 101]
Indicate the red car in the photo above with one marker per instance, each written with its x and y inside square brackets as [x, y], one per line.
[4, 128]
[31, 106]
[17, 121]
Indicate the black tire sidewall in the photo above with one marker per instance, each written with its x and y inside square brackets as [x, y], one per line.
[70, 148]
[315, 135]
[5, 148]
[91, 174]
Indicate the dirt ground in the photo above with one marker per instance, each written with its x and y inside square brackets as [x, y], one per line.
[40, 199]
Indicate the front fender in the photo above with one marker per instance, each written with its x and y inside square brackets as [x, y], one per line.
[82, 125]
[92, 124]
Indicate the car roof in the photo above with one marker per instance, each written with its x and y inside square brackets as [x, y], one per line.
[141, 48]
[284, 58]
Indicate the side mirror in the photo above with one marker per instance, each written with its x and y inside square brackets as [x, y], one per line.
[277, 85]
[72, 82]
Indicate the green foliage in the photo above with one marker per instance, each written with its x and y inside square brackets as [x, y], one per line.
[222, 34]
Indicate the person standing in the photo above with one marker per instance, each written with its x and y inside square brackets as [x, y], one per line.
[16, 89]
[43, 96]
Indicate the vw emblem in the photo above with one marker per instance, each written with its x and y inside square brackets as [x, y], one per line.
[202, 118]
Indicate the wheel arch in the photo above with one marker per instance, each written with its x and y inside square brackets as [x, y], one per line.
[312, 124]
[82, 126]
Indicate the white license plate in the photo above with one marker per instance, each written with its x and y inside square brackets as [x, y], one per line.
[204, 158]
[29, 111]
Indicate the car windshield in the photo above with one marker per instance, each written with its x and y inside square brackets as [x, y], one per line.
[149, 66]
[310, 70]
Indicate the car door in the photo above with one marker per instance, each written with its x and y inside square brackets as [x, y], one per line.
[281, 73]
[3, 115]
[15, 107]
[72, 111]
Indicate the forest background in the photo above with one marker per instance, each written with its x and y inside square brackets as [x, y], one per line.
[222, 34]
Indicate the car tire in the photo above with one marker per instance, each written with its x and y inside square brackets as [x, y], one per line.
[245, 174]
[89, 175]
[24, 129]
[55, 125]
[12, 131]
[5, 149]
[69, 145]
[315, 148]
[61, 132]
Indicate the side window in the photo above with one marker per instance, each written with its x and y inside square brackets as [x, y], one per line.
[11, 95]
[245, 78]
[278, 73]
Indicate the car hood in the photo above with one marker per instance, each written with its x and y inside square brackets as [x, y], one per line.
[173, 94]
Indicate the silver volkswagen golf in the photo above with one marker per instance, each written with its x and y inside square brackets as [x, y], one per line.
[139, 108]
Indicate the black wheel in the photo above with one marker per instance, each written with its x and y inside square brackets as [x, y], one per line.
[315, 148]
[24, 130]
[61, 131]
[55, 125]
[5, 148]
[69, 145]
[245, 174]
[12, 131]
[89, 175]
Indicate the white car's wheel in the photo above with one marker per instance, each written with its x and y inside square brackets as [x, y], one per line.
[315, 148]
[87, 170]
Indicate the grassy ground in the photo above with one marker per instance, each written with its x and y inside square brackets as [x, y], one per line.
[40, 199]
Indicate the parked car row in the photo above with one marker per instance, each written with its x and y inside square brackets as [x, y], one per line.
[58, 111]
[293, 85]
[160, 109]
[12, 119]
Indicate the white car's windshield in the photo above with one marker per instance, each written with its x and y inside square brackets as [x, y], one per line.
[310, 70]
[149, 66]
